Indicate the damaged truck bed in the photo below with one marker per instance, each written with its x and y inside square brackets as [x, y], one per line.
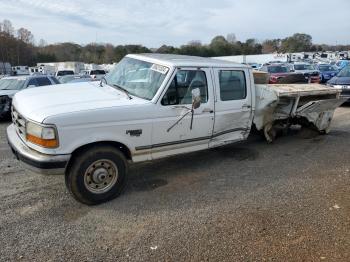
[280, 106]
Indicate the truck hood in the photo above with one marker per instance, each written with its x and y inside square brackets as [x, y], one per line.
[42, 102]
[9, 93]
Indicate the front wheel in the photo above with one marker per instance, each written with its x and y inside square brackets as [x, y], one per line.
[97, 175]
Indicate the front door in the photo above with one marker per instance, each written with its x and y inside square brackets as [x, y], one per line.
[233, 105]
[170, 138]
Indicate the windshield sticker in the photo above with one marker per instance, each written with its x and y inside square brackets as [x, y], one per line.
[160, 69]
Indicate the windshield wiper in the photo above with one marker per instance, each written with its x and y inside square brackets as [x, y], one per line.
[124, 90]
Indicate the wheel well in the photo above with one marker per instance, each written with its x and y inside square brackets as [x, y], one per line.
[123, 148]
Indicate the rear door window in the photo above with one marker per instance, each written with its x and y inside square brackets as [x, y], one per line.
[232, 85]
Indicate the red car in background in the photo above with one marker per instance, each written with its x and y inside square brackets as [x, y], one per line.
[276, 72]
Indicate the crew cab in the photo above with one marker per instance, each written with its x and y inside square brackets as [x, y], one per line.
[148, 107]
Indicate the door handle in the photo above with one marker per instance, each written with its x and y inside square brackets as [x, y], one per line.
[208, 110]
[245, 106]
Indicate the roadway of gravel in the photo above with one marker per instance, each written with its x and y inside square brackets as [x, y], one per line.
[289, 201]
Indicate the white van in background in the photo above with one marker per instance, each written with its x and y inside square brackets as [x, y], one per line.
[95, 74]
[20, 70]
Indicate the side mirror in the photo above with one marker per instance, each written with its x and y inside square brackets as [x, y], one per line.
[196, 98]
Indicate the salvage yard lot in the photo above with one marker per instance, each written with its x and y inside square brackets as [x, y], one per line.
[251, 201]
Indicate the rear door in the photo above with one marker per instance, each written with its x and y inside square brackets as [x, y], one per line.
[233, 105]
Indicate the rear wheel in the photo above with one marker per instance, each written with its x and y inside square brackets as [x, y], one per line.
[97, 175]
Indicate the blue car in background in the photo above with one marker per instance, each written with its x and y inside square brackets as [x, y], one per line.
[327, 72]
[342, 63]
[342, 81]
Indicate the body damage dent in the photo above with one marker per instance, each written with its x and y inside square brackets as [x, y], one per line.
[283, 104]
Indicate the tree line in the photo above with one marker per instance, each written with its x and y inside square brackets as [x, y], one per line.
[18, 47]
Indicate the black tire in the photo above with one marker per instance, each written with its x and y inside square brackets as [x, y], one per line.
[78, 174]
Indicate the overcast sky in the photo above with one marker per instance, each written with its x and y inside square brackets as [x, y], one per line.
[175, 22]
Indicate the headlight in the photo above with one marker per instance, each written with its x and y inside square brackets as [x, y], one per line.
[44, 136]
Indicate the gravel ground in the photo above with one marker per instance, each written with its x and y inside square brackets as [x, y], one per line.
[289, 201]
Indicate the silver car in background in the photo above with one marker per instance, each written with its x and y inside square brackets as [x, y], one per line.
[10, 85]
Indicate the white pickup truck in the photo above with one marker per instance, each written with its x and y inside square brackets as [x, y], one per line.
[152, 106]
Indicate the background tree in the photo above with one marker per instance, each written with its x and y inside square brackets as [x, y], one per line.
[25, 36]
[231, 38]
[7, 27]
[271, 46]
[220, 46]
[297, 43]
[20, 49]
[166, 49]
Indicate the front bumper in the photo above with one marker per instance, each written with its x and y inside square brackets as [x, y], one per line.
[33, 160]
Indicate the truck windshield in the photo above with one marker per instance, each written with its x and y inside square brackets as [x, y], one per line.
[139, 78]
[11, 84]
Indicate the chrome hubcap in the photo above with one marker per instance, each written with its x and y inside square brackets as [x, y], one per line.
[101, 176]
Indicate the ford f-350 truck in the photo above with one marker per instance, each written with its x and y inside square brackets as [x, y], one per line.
[148, 107]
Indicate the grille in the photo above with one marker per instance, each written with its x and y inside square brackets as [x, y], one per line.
[19, 122]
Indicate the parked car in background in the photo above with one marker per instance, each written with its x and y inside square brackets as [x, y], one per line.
[81, 80]
[95, 74]
[276, 72]
[20, 70]
[69, 78]
[327, 71]
[255, 65]
[64, 72]
[308, 70]
[10, 85]
[342, 63]
[342, 81]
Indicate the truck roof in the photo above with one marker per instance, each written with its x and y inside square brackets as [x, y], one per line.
[184, 60]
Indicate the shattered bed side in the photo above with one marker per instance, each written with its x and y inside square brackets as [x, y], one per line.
[280, 106]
